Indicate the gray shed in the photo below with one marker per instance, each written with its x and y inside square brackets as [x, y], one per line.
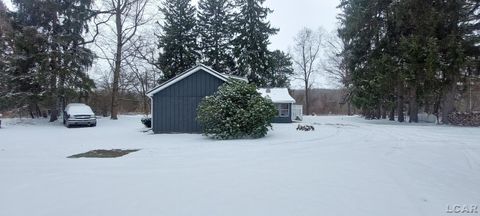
[175, 102]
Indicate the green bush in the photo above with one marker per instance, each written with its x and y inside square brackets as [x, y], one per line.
[236, 111]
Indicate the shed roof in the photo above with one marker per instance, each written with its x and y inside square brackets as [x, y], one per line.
[277, 95]
[185, 75]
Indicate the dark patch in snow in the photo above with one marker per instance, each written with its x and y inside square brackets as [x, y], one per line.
[114, 153]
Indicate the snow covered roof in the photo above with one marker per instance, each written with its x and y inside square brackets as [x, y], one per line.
[277, 95]
[235, 77]
[187, 73]
[78, 109]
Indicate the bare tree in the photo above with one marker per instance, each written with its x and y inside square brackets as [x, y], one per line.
[142, 79]
[306, 55]
[129, 16]
[147, 51]
[335, 66]
[142, 72]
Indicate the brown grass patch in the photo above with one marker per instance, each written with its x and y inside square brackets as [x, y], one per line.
[114, 153]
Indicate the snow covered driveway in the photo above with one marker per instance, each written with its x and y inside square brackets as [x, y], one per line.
[347, 166]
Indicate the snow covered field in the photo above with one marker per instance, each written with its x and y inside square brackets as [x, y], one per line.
[347, 166]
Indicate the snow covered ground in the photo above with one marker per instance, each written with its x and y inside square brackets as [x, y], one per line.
[347, 166]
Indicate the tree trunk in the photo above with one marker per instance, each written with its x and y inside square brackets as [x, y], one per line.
[412, 105]
[349, 107]
[448, 101]
[118, 61]
[400, 103]
[307, 104]
[391, 115]
[384, 113]
[369, 114]
[378, 112]
[54, 89]
[61, 95]
[30, 110]
[145, 104]
[38, 111]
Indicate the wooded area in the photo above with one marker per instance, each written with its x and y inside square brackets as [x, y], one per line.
[409, 55]
[391, 58]
[48, 47]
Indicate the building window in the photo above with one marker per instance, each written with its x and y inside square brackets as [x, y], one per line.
[283, 110]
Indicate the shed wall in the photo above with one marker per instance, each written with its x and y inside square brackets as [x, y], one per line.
[175, 108]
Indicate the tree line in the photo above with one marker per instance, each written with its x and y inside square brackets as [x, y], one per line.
[47, 47]
[405, 56]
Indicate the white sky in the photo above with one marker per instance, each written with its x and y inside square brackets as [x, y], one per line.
[291, 16]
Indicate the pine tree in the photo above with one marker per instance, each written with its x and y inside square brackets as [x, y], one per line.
[409, 52]
[215, 22]
[279, 70]
[22, 51]
[58, 56]
[178, 40]
[453, 33]
[6, 44]
[362, 27]
[251, 43]
[26, 69]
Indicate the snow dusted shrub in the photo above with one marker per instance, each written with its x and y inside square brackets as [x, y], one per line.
[147, 121]
[236, 111]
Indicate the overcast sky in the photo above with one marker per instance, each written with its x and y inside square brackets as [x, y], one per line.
[292, 16]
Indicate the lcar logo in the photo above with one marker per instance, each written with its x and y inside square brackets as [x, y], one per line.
[463, 209]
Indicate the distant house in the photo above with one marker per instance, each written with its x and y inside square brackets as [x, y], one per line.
[283, 101]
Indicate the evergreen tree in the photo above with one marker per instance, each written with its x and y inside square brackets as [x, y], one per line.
[417, 29]
[251, 43]
[178, 40]
[362, 28]
[51, 35]
[26, 71]
[279, 70]
[215, 22]
[409, 52]
[453, 34]
[6, 44]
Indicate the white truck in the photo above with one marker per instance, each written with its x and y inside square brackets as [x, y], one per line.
[79, 114]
